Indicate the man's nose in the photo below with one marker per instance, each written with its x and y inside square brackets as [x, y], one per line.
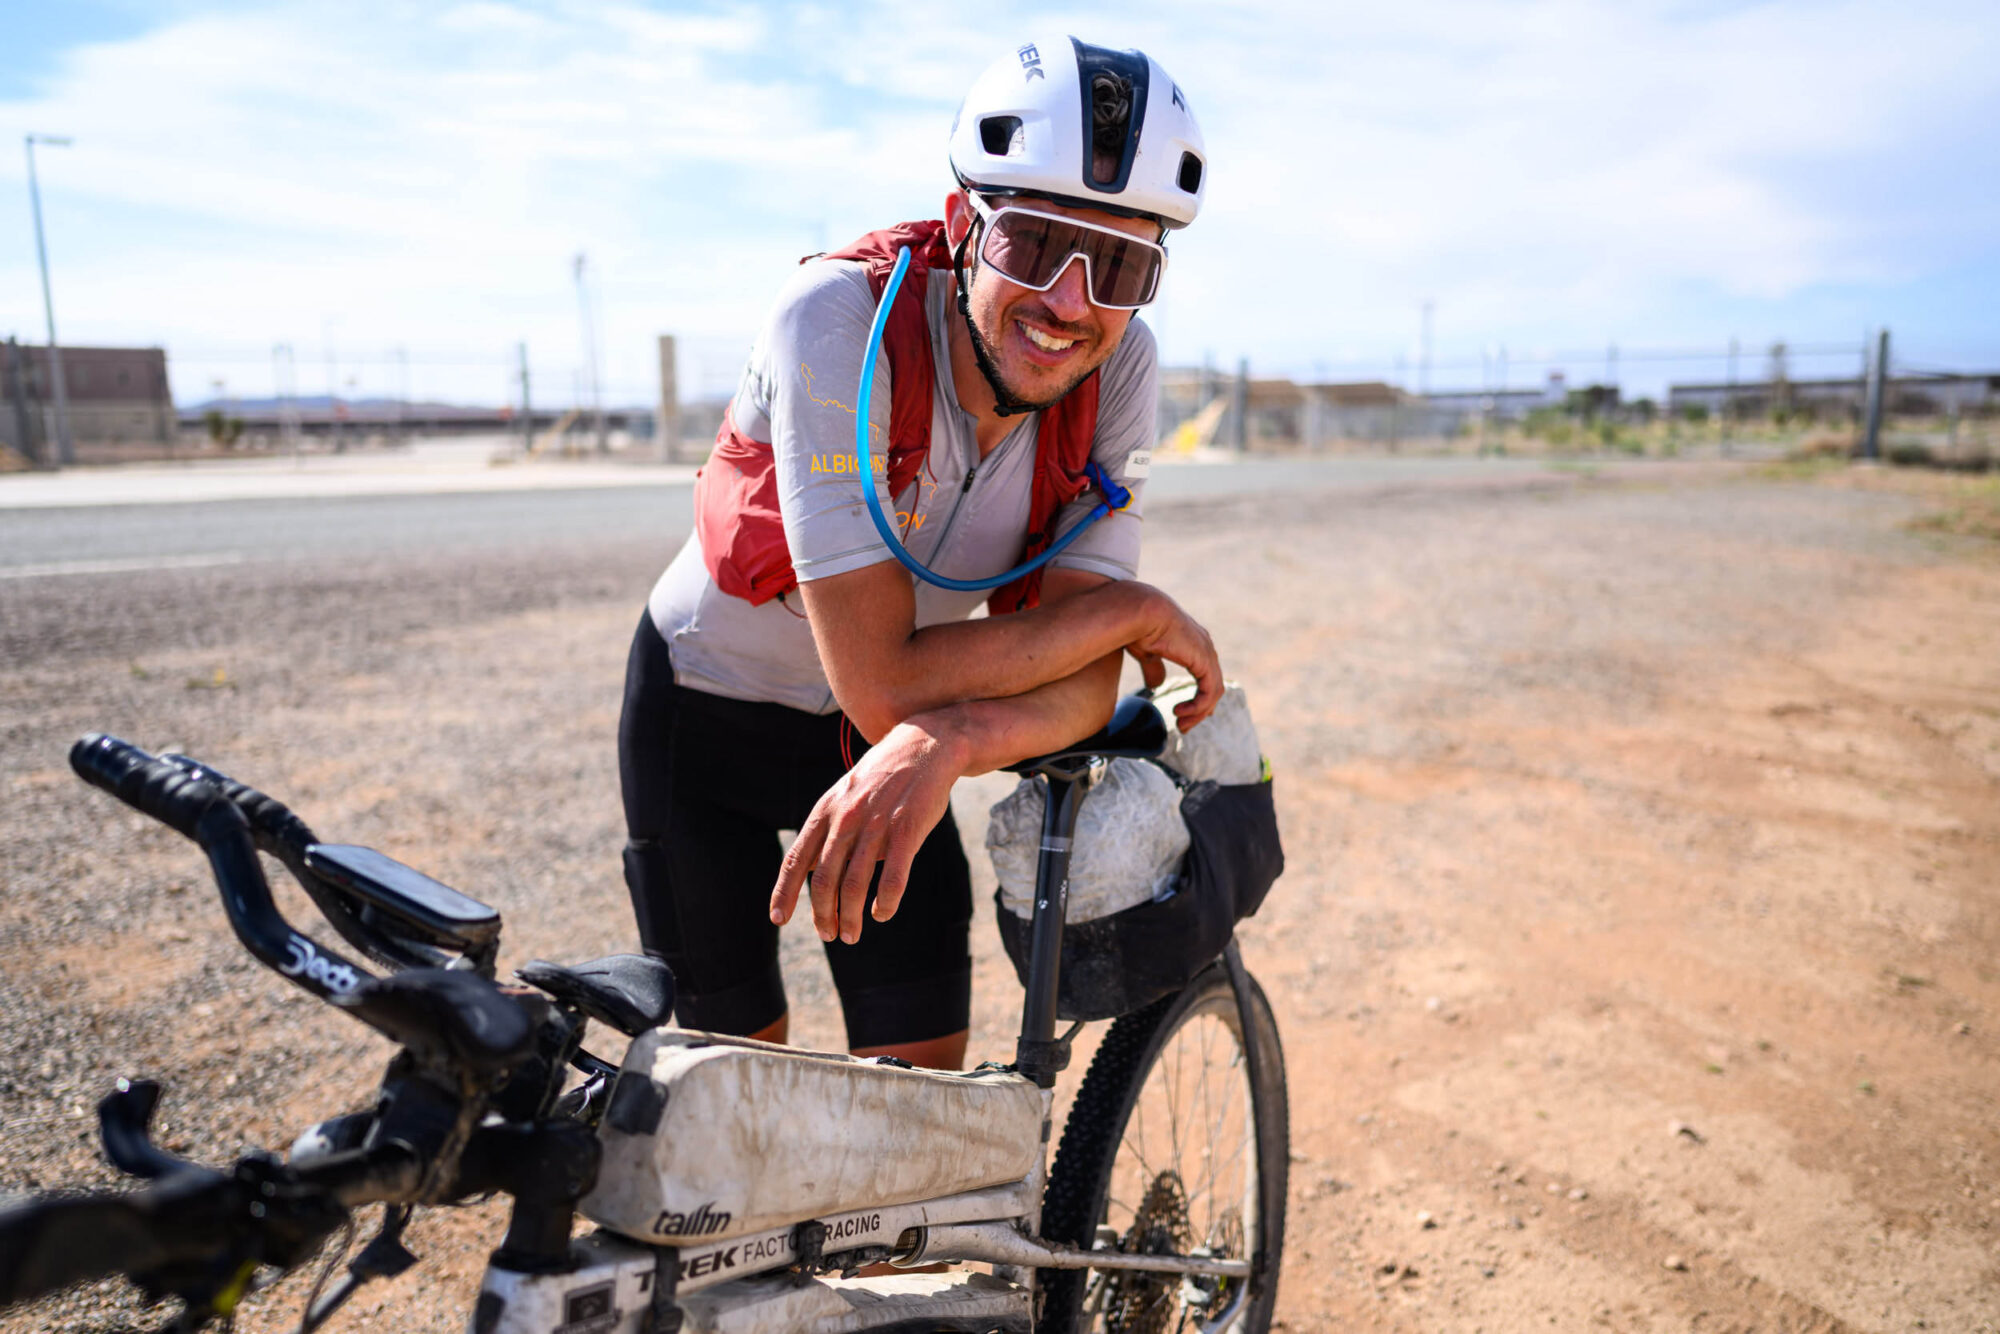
[1069, 298]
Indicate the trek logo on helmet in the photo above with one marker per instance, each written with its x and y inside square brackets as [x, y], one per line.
[1031, 61]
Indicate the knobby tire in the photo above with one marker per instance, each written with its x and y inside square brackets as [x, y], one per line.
[1081, 1180]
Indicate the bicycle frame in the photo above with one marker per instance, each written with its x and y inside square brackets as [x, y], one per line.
[618, 1284]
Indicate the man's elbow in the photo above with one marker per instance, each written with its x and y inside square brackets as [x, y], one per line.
[874, 711]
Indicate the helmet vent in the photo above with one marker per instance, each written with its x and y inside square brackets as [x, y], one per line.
[1001, 136]
[1190, 178]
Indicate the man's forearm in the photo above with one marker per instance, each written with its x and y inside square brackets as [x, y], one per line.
[988, 734]
[882, 678]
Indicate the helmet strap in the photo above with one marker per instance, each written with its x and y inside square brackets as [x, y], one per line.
[1005, 402]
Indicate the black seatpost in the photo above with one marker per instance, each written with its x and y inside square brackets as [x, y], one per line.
[1037, 1054]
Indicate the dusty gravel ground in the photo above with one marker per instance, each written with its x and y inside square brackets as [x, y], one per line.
[1638, 963]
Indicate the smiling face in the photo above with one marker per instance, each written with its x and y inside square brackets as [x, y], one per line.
[1041, 344]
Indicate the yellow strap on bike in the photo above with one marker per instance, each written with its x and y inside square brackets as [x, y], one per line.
[232, 1291]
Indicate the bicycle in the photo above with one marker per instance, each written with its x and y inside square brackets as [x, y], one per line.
[1164, 1207]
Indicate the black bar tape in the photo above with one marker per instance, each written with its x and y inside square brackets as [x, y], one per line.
[276, 830]
[279, 832]
[164, 791]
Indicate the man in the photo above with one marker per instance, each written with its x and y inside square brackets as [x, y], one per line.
[785, 625]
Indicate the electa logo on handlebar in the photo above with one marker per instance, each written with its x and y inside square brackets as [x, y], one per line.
[332, 975]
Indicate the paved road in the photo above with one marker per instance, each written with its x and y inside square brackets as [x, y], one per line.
[41, 541]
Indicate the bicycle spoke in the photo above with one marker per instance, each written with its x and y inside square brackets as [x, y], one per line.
[1173, 1103]
[1183, 1176]
[1208, 1117]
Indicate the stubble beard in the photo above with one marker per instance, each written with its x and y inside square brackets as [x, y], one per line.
[1010, 400]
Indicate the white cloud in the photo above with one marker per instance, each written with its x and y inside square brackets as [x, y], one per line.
[1550, 170]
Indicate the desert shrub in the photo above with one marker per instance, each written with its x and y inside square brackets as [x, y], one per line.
[1549, 424]
[224, 431]
[1908, 454]
[1974, 511]
[1823, 445]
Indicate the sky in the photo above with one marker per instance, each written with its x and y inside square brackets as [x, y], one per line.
[398, 192]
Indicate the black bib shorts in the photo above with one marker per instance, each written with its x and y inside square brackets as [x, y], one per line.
[708, 782]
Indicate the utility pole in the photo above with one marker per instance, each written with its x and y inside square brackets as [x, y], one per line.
[1867, 351]
[667, 420]
[285, 388]
[65, 447]
[590, 356]
[332, 386]
[1487, 393]
[1729, 397]
[1241, 406]
[1878, 386]
[402, 353]
[1396, 394]
[1424, 353]
[527, 407]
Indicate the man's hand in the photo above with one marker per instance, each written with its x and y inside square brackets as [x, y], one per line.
[1174, 636]
[879, 811]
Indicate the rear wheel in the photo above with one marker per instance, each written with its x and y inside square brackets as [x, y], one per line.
[1174, 1145]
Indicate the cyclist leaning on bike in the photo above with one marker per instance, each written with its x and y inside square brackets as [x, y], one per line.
[785, 627]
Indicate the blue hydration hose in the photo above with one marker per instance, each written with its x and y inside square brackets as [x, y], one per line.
[1116, 497]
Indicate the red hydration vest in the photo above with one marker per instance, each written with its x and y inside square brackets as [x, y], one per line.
[736, 492]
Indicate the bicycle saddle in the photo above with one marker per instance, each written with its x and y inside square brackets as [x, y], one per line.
[630, 992]
[1136, 731]
[446, 1014]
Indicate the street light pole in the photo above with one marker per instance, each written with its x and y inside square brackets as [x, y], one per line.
[65, 448]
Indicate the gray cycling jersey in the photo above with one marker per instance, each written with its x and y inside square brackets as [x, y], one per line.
[964, 517]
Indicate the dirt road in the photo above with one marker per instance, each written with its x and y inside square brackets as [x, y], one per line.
[1638, 961]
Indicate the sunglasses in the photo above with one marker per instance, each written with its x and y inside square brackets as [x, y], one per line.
[1032, 248]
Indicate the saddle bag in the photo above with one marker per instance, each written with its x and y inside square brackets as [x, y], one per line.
[1126, 961]
[1158, 938]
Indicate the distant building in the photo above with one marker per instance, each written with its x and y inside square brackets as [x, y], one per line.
[117, 396]
[1911, 395]
[1501, 404]
[317, 414]
[1376, 412]
[1284, 414]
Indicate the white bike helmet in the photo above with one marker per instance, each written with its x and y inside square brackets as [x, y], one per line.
[1083, 125]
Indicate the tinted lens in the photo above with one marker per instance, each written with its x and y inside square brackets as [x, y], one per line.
[1028, 247]
[1123, 270]
[1032, 248]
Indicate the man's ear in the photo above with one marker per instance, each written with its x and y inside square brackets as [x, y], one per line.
[958, 217]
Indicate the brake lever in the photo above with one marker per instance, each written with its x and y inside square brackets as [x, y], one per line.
[384, 1256]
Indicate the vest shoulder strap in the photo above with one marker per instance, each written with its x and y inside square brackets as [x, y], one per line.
[906, 337]
[736, 495]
